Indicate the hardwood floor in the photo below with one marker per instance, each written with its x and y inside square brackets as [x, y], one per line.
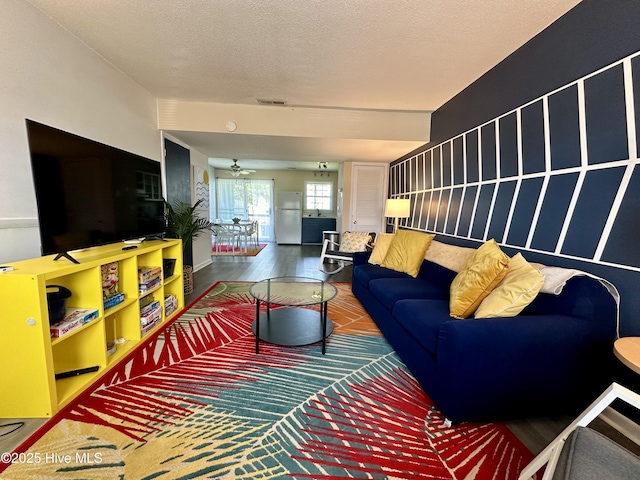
[273, 261]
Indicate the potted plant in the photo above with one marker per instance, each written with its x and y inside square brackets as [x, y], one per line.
[184, 223]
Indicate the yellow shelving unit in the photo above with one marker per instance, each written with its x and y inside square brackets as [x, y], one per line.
[31, 358]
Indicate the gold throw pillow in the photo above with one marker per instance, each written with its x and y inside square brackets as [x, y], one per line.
[380, 247]
[516, 290]
[486, 268]
[406, 251]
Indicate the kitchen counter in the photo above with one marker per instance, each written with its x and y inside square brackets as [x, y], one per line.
[312, 228]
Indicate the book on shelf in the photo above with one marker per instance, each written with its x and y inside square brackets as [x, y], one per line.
[170, 304]
[110, 279]
[151, 318]
[150, 285]
[146, 274]
[113, 300]
[73, 318]
[147, 328]
[149, 308]
[146, 300]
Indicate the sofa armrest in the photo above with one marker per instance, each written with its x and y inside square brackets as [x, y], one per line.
[360, 258]
[527, 360]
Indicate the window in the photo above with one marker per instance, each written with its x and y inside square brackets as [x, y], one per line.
[319, 195]
[246, 198]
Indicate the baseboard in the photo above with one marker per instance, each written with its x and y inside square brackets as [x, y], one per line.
[202, 265]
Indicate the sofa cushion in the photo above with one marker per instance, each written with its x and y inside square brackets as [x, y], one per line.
[383, 240]
[406, 251]
[366, 272]
[517, 289]
[487, 267]
[422, 320]
[389, 290]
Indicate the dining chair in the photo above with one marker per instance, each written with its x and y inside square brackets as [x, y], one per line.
[225, 235]
[253, 234]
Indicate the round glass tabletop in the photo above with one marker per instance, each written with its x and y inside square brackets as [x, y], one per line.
[293, 291]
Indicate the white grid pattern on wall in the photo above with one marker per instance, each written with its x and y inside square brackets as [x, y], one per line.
[465, 189]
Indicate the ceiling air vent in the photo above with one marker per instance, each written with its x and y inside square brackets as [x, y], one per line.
[265, 101]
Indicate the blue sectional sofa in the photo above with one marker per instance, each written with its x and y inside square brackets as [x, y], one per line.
[553, 358]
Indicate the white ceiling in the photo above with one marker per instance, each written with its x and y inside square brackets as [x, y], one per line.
[383, 55]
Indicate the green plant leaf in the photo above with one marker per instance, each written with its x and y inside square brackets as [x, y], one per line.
[183, 221]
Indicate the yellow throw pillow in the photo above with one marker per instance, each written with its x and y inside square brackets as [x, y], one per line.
[406, 251]
[486, 268]
[380, 248]
[516, 290]
[354, 241]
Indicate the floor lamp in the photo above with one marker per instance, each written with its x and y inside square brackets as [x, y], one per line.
[397, 208]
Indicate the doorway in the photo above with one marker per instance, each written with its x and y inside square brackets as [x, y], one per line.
[368, 194]
[246, 198]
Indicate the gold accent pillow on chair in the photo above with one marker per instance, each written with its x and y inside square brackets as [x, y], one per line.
[354, 242]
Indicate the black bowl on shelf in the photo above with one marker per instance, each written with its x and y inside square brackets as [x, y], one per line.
[57, 296]
[168, 266]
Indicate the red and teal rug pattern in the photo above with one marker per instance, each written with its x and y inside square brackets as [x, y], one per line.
[196, 401]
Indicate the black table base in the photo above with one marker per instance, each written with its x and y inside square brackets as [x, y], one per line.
[292, 326]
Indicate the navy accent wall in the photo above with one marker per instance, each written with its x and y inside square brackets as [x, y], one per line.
[177, 170]
[593, 34]
[541, 153]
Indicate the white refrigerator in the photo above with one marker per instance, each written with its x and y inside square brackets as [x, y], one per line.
[288, 218]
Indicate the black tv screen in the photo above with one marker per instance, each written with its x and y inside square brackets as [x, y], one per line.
[91, 194]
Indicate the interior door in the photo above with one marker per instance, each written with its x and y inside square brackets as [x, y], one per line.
[178, 180]
[369, 184]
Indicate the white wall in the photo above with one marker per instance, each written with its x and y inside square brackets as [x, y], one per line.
[202, 244]
[52, 78]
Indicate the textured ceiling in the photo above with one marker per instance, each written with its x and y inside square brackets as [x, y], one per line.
[356, 54]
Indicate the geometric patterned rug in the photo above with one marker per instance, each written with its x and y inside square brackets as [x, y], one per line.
[196, 401]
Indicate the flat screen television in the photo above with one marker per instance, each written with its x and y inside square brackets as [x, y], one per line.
[91, 194]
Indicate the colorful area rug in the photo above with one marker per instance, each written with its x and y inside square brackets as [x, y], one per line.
[196, 401]
[227, 250]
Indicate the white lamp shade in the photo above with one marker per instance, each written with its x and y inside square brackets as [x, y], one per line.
[397, 207]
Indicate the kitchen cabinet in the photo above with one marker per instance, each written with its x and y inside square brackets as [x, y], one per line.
[312, 228]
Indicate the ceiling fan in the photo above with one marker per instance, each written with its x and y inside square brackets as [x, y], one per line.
[236, 170]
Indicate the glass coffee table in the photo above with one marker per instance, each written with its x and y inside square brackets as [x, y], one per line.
[293, 325]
